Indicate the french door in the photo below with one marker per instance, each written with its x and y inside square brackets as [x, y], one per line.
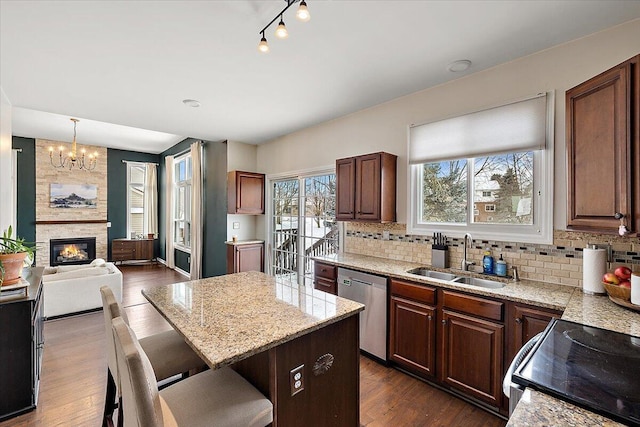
[303, 224]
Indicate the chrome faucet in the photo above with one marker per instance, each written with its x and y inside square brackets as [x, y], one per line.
[467, 242]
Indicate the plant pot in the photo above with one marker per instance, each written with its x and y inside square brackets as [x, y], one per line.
[150, 236]
[12, 264]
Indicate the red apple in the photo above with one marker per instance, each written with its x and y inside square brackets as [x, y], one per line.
[610, 278]
[625, 284]
[623, 273]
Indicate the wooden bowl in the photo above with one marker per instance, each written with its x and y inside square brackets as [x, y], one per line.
[616, 291]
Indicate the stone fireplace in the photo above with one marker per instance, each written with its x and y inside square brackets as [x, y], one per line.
[72, 251]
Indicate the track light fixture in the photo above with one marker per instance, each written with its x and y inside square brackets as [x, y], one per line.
[281, 31]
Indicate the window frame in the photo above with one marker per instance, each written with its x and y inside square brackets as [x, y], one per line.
[131, 164]
[541, 231]
[176, 187]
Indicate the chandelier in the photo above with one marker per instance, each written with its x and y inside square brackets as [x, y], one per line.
[302, 14]
[71, 159]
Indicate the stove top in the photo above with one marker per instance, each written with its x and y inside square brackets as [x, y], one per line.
[591, 367]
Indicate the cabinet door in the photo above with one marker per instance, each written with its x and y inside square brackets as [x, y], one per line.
[412, 336]
[245, 193]
[472, 354]
[249, 258]
[144, 249]
[525, 322]
[598, 151]
[345, 189]
[367, 201]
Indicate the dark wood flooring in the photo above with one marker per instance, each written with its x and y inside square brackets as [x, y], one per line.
[74, 372]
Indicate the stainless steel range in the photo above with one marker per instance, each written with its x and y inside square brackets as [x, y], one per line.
[587, 366]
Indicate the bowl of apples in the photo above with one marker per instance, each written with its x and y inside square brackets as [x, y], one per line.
[618, 284]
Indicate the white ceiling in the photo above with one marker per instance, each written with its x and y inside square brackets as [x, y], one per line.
[132, 63]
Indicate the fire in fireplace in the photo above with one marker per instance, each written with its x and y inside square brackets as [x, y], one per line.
[80, 250]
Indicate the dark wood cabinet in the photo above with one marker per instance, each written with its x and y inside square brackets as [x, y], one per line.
[21, 347]
[523, 323]
[243, 256]
[603, 150]
[132, 249]
[325, 277]
[245, 193]
[366, 188]
[412, 332]
[472, 346]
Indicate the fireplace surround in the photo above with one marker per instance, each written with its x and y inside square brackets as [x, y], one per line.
[72, 251]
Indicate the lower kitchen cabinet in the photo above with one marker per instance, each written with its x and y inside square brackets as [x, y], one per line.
[524, 322]
[471, 355]
[325, 277]
[245, 256]
[412, 332]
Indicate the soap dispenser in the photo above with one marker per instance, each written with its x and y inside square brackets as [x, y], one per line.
[501, 267]
[487, 262]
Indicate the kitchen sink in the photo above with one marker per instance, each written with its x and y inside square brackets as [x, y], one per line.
[422, 271]
[482, 283]
[473, 281]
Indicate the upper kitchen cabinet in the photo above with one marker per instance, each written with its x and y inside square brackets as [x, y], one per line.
[603, 150]
[366, 188]
[245, 193]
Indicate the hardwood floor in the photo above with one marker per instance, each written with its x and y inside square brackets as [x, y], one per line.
[74, 372]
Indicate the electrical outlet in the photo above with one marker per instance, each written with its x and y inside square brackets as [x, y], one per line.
[385, 235]
[236, 225]
[296, 380]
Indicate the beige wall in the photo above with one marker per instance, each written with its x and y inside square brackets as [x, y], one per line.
[46, 174]
[242, 157]
[384, 127]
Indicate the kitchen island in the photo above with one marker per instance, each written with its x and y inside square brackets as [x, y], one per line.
[265, 328]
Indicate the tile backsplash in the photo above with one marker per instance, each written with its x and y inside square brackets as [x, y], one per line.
[560, 262]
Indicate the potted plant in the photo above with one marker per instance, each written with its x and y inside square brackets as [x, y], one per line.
[13, 253]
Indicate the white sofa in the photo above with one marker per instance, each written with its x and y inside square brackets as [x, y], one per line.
[71, 289]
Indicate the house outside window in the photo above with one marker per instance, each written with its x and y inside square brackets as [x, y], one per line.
[135, 199]
[182, 203]
[495, 182]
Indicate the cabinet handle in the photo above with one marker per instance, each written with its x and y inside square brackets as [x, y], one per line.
[429, 317]
[618, 215]
[444, 321]
[518, 320]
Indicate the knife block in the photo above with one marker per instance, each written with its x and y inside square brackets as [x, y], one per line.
[440, 256]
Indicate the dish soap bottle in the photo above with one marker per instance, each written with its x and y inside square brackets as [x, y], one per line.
[501, 267]
[487, 262]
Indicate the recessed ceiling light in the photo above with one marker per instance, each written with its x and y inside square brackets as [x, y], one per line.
[191, 103]
[458, 66]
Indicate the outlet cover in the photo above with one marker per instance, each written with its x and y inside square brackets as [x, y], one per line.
[385, 235]
[296, 380]
[236, 225]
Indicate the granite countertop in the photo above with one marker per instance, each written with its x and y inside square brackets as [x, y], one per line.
[534, 409]
[243, 242]
[539, 409]
[229, 318]
[549, 295]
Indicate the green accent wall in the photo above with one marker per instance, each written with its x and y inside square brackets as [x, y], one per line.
[117, 190]
[214, 206]
[26, 198]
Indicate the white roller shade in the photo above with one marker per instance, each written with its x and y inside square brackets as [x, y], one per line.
[519, 126]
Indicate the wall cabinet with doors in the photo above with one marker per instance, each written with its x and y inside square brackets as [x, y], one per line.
[245, 256]
[21, 347]
[325, 277]
[472, 346]
[366, 188]
[245, 193]
[603, 150]
[412, 327]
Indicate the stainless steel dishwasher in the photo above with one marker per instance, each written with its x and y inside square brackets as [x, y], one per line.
[370, 290]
